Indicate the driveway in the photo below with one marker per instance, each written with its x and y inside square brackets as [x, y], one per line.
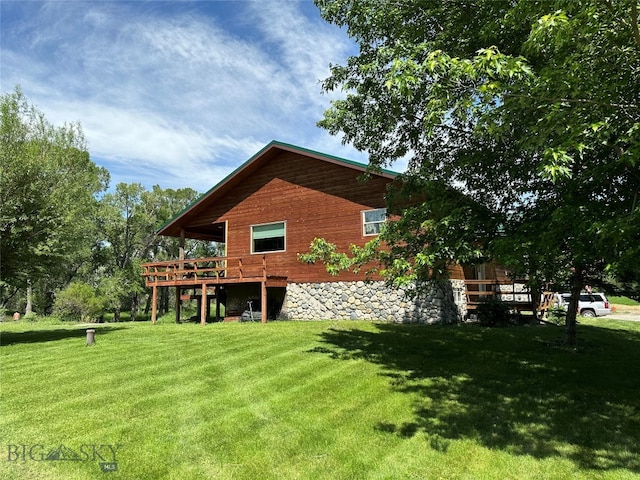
[625, 316]
[624, 312]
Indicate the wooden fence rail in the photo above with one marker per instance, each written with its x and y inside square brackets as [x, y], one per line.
[478, 291]
[205, 270]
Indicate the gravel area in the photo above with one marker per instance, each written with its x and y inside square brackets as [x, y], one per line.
[625, 312]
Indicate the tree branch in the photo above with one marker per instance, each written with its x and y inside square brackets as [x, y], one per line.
[634, 22]
[585, 101]
[6, 300]
[634, 18]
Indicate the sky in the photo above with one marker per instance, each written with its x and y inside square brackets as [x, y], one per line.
[176, 93]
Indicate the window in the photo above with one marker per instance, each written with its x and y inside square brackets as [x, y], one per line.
[268, 237]
[372, 221]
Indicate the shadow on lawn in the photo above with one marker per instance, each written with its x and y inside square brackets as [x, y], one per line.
[37, 336]
[511, 389]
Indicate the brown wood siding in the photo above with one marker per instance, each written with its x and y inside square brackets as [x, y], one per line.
[456, 272]
[314, 198]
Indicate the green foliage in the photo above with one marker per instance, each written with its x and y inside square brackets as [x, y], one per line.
[129, 217]
[327, 253]
[53, 228]
[79, 302]
[557, 315]
[435, 227]
[30, 317]
[494, 313]
[48, 186]
[530, 109]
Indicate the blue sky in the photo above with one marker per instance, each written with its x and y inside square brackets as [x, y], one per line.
[176, 93]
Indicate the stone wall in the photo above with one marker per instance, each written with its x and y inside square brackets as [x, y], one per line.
[440, 303]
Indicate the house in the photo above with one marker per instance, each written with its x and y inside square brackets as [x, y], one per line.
[267, 212]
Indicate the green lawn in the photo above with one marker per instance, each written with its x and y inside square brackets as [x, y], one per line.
[623, 301]
[319, 400]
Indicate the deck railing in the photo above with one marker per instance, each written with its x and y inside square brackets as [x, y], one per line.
[205, 270]
[513, 293]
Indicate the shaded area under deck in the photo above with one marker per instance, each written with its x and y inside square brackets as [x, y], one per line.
[206, 274]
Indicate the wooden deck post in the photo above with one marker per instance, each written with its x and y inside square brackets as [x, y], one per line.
[263, 302]
[181, 247]
[176, 268]
[204, 305]
[154, 304]
[178, 304]
[263, 296]
[217, 295]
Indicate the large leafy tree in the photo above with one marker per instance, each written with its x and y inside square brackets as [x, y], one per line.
[530, 109]
[127, 231]
[48, 188]
[128, 221]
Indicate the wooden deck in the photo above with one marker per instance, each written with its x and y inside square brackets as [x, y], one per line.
[207, 273]
[204, 273]
[210, 271]
[478, 291]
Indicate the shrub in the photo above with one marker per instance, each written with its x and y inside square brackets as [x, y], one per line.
[79, 302]
[557, 315]
[494, 313]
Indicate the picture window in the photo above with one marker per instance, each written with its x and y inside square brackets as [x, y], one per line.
[268, 237]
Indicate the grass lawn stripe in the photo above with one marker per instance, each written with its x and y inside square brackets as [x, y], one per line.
[325, 400]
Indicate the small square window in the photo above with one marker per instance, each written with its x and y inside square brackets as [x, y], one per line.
[372, 221]
[269, 237]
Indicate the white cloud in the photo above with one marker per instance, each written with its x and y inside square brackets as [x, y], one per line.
[175, 94]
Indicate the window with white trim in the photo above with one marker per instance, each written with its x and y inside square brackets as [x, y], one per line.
[269, 237]
[372, 221]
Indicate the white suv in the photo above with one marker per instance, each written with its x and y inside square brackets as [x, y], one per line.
[589, 304]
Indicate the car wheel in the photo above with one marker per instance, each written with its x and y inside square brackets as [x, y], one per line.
[588, 313]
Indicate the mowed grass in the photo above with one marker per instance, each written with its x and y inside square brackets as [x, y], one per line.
[623, 301]
[320, 400]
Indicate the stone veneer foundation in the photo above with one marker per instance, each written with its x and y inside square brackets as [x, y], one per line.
[438, 302]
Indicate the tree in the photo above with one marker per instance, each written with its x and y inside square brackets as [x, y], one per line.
[529, 109]
[48, 188]
[129, 218]
[79, 302]
[128, 233]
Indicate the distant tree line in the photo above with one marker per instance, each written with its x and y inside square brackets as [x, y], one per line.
[64, 235]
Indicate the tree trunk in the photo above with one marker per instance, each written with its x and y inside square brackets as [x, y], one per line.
[134, 307]
[9, 297]
[147, 305]
[49, 301]
[572, 312]
[29, 308]
[536, 293]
